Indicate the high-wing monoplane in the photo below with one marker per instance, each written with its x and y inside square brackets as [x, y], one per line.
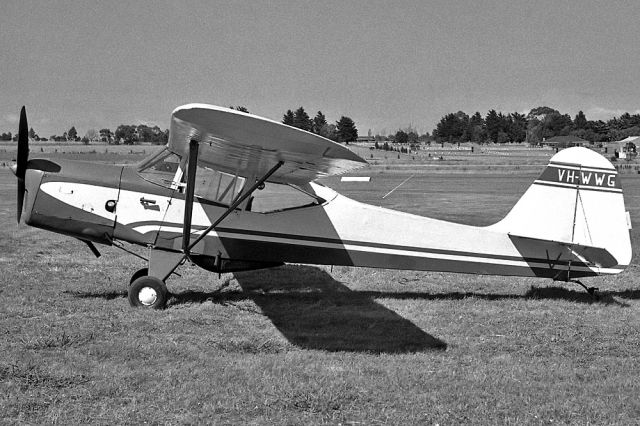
[233, 191]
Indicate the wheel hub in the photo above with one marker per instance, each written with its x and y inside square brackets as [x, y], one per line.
[147, 296]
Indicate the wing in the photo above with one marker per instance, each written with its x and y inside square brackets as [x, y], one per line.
[239, 143]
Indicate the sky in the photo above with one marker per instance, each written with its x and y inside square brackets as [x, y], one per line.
[387, 65]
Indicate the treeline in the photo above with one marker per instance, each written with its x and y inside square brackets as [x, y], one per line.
[344, 130]
[125, 134]
[132, 134]
[539, 124]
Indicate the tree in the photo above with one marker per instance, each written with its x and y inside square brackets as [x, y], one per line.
[33, 135]
[240, 108]
[558, 125]
[401, 137]
[72, 134]
[287, 118]
[151, 134]
[540, 113]
[517, 127]
[412, 137]
[90, 136]
[126, 133]
[106, 135]
[346, 130]
[502, 137]
[146, 133]
[537, 120]
[475, 129]
[301, 120]
[580, 122]
[319, 122]
[330, 131]
[452, 127]
[493, 124]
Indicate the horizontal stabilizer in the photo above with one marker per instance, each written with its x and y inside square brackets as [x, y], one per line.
[589, 255]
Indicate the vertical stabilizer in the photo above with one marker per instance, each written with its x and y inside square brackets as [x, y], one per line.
[576, 200]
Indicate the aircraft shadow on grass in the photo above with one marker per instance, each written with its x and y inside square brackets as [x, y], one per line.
[314, 311]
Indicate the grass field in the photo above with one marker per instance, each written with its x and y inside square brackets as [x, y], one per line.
[304, 344]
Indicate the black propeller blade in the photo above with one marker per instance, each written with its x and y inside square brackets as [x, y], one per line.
[23, 157]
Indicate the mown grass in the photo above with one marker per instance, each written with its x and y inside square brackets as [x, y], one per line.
[304, 344]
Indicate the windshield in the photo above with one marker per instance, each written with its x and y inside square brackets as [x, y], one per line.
[162, 168]
[169, 170]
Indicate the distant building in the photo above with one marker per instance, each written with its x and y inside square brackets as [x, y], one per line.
[366, 139]
[626, 149]
[561, 142]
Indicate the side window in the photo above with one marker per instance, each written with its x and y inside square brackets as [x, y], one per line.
[217, 186]
[277, 197]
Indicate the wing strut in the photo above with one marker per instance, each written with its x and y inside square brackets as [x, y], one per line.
[187, 245]
[188, 204]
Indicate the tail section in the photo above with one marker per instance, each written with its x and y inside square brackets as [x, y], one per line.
[576, 202]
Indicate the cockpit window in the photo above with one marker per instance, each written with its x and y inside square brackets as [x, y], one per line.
[170, 170]
[217, 186]
[278, 197]
[162, 169]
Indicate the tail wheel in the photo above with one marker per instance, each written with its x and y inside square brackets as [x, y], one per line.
[148, 292]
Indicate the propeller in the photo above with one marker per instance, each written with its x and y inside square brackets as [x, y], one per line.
[23, 157]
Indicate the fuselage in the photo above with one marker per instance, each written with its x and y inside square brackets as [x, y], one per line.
[103, 203]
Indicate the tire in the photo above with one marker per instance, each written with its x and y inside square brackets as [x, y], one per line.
[139, 273]
[148, 292]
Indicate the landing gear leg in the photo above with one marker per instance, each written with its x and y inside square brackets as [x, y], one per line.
[147, 288]
[139, 273]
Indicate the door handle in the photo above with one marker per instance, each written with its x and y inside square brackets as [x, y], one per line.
[145, 201]
[149, 204]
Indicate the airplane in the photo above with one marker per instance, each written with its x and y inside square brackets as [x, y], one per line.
[232, 191]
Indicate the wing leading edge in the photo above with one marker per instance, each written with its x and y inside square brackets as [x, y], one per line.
[239, 143]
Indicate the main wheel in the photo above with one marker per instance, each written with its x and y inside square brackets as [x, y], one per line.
[139, 273]
[148, 292]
